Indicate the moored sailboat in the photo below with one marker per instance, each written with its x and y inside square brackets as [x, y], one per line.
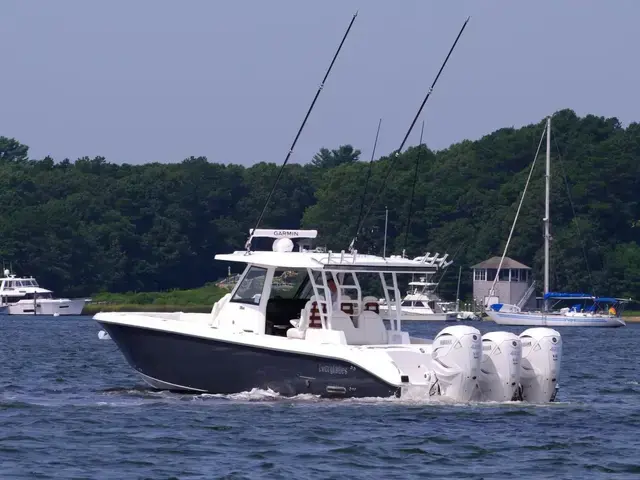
[505, 314]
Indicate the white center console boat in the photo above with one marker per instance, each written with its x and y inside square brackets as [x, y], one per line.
[328, 343]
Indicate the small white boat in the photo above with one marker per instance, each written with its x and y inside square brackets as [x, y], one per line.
[256, 337]
[421, 302]
[23, 296]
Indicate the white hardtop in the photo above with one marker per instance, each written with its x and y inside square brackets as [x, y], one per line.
[355, 262]
[282, 255]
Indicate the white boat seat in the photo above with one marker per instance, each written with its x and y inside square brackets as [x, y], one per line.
[372, 328]
[371, 304]
[348, 306]
[341, 321]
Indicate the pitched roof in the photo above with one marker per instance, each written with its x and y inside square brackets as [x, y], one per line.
[493, 262]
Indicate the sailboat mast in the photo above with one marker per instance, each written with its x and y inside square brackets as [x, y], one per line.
[547, 235]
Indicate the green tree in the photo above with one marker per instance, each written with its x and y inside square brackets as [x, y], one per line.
[326, 158]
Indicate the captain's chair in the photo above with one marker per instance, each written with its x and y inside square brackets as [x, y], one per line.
[370, 304]
[347, 305]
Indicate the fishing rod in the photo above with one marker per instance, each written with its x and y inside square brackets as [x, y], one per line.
[396, 153]
[295, 140]
[413, 190]
[366, 183]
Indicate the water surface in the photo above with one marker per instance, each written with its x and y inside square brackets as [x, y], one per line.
[71, 408]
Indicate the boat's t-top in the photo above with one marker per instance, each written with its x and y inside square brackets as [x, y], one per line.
[325, 302]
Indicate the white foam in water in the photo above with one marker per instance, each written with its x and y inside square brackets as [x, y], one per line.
[102, 335]
[257, 394]
[412, 396]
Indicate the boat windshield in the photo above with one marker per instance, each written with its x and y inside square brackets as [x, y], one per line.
[291, 283]
[250, 288]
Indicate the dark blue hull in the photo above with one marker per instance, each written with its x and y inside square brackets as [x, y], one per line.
[186, 363]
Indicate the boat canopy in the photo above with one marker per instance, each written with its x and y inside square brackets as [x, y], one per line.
[611, 300]
[284, 255]
[573, 296]
[584, 296]
[337, 262]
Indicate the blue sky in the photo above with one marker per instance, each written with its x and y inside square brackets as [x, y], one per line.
[159, 80]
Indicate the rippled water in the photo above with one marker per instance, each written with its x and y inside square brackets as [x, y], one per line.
[71, 408]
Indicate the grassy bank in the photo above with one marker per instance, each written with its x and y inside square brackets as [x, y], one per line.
[632, 316]
[198, 300]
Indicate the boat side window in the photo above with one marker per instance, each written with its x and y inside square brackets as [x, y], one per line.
[407, 303]
[39, 296]
[250, 288]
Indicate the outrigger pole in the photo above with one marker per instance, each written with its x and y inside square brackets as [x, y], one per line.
[295, 140]
[413, 190]
[366, 183]
[395, 154]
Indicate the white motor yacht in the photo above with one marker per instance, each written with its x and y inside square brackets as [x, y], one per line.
[23, 296]
[304, 342]
[421, 302]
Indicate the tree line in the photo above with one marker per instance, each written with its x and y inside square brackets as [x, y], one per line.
[89, 226]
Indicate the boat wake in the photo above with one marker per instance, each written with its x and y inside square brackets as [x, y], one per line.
[413, 396]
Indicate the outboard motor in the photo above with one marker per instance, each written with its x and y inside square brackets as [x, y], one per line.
[456, 353]
[499, 378]
[541, 357]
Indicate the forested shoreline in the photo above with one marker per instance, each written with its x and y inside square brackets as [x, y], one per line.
[88, 226]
